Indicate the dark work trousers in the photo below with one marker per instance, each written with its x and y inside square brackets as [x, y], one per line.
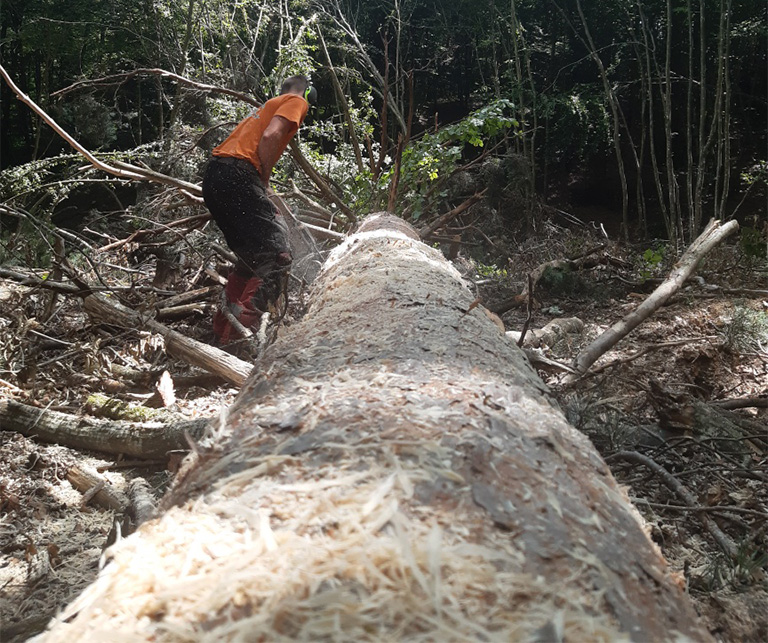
[238, 202]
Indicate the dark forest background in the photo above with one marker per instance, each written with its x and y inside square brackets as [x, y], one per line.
[648, 116]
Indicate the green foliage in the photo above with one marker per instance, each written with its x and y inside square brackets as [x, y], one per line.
[428, 161]
[295, 56]
[492, 271]
[746, 568]
[484, 124]
[753, 243]
[90, 123]
[325, 141]
[579, 124]
[36, 186]
[651, 261]
[755, 174]
[462, 54]
[653, 257]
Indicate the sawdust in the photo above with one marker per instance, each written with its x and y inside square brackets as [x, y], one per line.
[332, 560]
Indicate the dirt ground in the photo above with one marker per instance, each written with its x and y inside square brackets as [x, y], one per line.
[652, 396]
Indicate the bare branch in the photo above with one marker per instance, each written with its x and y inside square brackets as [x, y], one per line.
[450, 216]
[107, 81]
[123, 174]
[711, 237]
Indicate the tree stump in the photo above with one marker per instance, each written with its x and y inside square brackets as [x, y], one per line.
[393, 470]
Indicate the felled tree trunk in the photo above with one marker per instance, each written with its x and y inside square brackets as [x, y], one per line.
[393, 470]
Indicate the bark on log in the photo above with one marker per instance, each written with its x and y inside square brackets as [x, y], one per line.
[550, 334]
[394, 470]
[139, 439]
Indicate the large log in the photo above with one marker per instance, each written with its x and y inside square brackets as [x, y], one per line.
[393, 470]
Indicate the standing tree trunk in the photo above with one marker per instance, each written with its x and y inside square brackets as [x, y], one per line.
[394, 470]
[613, 103]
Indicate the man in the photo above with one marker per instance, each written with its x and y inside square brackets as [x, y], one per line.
[235, 189]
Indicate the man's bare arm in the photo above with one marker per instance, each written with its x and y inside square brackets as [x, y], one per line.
[270, 147]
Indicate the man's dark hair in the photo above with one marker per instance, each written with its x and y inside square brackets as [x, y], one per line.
[294, 85]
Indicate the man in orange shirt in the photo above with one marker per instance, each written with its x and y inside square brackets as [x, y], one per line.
[235, 189]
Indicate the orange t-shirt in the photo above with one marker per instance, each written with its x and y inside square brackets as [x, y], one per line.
[243, 142]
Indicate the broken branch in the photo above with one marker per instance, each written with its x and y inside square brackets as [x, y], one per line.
[451, 215]
[723, 541]
[211, 359]
[713, 234]
[137, 439]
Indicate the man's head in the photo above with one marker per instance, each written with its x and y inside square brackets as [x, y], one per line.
[299, 85]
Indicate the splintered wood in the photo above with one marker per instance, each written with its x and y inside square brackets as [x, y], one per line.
[394, 470]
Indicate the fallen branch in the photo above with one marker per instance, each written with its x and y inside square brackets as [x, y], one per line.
[529, 316]
[577, 263]
[742, 403]
[189, 189]
[188, 297]
[711, 237]
[140, 234]
[123, 174]
[207, 357]
[342, 98]
[710, 509]
[650, 348]
[107, 81]
[137, 439]
[193, 352]
[723, 541]
[117, 168]
[317, 209]
[142, 501]
[323, 233]
[97, 488]
[311, 217]
[550, 334]
[446, 218]
[318, 180]
[182, 311]
[127, 171]
[539, 361]
[33, 280]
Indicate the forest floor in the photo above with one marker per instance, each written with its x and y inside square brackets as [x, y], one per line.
[659, 394]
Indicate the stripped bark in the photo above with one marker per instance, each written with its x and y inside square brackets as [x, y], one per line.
[394, 470]
[549, 335]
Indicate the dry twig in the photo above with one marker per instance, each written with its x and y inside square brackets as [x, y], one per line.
[724, 541]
